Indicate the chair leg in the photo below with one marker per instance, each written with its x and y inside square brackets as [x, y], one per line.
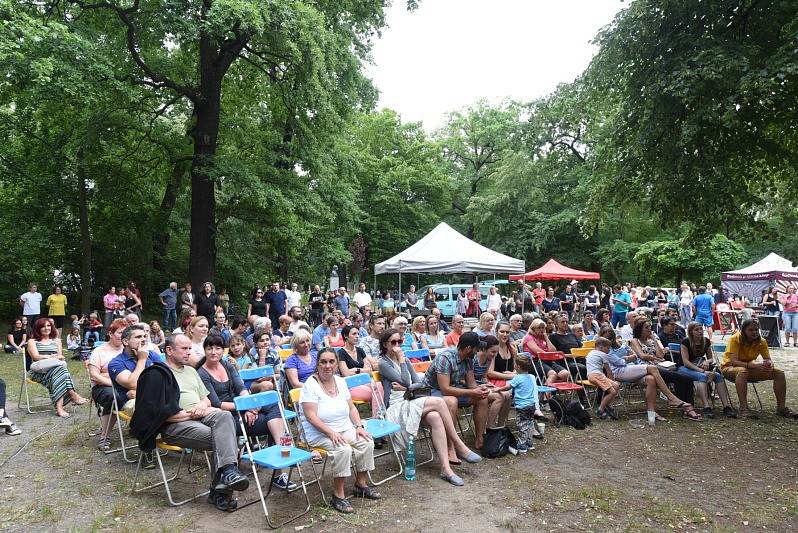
[756, 393]
[398, 462]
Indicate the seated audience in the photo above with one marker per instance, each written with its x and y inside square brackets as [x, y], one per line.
[333, 339]
[434, 337]
[590, 327]
[697, 363]
[453, 337]
[102, 390]
[595, 361]
[220, 327]
[487, 322]
[125, 369]
[237, 354]
[537, 341]
[498, 402]
[301, 364]
[48, 367]
[739, 365]
[371, 343]
[398, 376]
[17, 337]
[224, 384]
[331, 421]
[352, 360]
[451, 375]
[419, 332]
[526, 402]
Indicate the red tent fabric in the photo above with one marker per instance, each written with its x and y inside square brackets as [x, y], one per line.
[553, 270]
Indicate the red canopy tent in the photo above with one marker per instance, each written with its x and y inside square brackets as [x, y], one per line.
[553, 270]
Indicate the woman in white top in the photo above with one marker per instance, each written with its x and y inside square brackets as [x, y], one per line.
[197, 330]
[494, 300]
[436, 339]
[331, 421]
[487, 324]
[685, 305]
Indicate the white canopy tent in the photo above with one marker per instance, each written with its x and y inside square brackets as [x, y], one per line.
[446, 251]
[772, 270]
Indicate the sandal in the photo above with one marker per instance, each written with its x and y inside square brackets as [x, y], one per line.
[660, 418]
[455, 462]
[692, 415]
[367, 492]
[787, 413]
[682, 405]
[341, 505]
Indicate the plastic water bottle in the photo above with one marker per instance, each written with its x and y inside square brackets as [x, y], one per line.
[410, 460]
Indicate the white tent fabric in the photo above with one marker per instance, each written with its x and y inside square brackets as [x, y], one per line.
[445, 251]
[773, 262]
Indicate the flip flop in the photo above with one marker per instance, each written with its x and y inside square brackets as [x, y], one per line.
[455, 462]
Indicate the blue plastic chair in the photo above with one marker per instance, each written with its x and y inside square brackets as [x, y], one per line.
[376, 427]
[421, 354]
[272, 457]
[250, 375]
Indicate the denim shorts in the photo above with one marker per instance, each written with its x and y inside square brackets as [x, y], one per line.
[462, 401]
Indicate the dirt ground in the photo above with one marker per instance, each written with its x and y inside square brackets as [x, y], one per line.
[716, 475]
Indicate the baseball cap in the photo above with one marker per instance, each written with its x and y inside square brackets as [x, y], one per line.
[470, 340]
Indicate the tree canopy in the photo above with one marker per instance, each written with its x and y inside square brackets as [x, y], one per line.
[239, 141]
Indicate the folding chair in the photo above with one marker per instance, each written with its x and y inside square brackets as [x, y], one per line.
[303, 443]
[721, 348]
[272, 456]
[250, 375]
[545, 389]
[589, 387]
[422, 354]
[285, 353]
[376, 427]
[570, 387]
[161, 445]
[589, 343]
[32, 408]
[426, 435]
[421, 366]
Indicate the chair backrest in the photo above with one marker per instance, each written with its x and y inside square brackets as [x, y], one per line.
[589, 343]
[357, 380]
[285, 346]
[421, 366]
[674, 347]
[256, 401]
[251, 374]
[580, 352]
[422, 354]
[294, 395]
[284, 353]
[551, 356]
[722, 307]
[376, 376]
[719, 348]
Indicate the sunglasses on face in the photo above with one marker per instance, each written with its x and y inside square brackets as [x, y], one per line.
[395, 342]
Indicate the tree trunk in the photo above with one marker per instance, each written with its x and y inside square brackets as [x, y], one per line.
[202, 244]
[160, 230]
[85, 236]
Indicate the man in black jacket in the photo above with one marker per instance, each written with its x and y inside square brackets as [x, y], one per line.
[192, 423]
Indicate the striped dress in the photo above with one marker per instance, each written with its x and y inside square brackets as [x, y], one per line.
[57, 379]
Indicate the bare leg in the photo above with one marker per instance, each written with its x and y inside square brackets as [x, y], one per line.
[59, 408]
[498, 405]
[741, 384]
[703, 394]
[434, 421]
[451, 403]
[338, 487]
[609, 396]
[779, 389]
[480, 420]
[437, 405]
[361, 479]
[107, 423]
[662, 386]
[651, 393]
[76, 398]
[723, 392]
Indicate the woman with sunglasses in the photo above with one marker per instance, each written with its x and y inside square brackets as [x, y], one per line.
[330, 421]
[257, 305]
[399, 376]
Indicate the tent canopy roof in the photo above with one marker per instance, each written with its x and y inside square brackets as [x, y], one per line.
[444, 250]
[772, 263]
[553, 270]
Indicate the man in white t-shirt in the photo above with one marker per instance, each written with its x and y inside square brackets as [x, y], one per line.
[31, 303]
[362, 298]
[293, 295]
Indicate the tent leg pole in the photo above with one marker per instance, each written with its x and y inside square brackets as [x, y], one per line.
[400, 288]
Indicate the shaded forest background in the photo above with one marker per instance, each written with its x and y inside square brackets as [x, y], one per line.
[239, 141]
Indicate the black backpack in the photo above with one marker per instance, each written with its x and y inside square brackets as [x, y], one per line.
[576, 416]
[498, 442]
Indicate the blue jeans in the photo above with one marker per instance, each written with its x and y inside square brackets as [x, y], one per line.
[698, 376]
[462, 401]
[790, 321]
[169, 319]
[618, 319]
[90, 334]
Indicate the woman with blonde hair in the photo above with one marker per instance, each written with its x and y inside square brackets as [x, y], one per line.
[487, 323]
[419, 330]
[197, 330]
[436, 339]
[697, 364]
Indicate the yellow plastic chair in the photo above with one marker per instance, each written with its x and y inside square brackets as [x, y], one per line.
[589, 344]
[284, 353]
[166, 448]
[302, 442]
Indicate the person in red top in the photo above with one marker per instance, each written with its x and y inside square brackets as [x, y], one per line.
[457, 330]
[539, 293]
[790, 315]
[474, 296]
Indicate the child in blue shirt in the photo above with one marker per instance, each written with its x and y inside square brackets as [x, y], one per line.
[526, 402]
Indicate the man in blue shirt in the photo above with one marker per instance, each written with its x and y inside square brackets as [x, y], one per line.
[276, 303]
[125, 369]
[169, 302]
[622, 304]
[342, 301]
[703, 307]
[321, 331]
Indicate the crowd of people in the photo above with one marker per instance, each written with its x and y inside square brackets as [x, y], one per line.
[178, 379]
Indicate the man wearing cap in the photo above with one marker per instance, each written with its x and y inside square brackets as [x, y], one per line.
[451, 376]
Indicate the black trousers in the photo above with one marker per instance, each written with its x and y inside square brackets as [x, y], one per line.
[682, 385]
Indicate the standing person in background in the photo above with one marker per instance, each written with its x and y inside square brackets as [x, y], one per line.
[567, 302]
[316, 300]
[207, 302]
[411, 298]
[622, 304]
[224, 300]
[494, 301]
[550, 302]
[685, 304]
[168, 299]
[341, 301]
[704, 306]
[31, 303]
[187, 297]
[591, 301]
[770, 302]
[132, 288]
[462, 303]
[362, 298]
[429, 299]
[474, 296]
[538, 294]
[109, 304]
[132, 302]
[257, 305]
[294, 296]
[275, 303]
[790, 303]
[56, 308]
[606, 296]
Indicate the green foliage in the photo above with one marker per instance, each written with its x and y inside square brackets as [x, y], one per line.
[685, 258]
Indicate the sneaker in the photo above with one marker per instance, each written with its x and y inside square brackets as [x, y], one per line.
[5, 421]
[729, 412]
[222, 500]
[148, 461]
[708, 412]
[604, 415]
[613, 413]
[530, 445]
[522, 447]
[232, 479]
[13, 430]
[104, 444]
[281, 482]
[746, 413]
